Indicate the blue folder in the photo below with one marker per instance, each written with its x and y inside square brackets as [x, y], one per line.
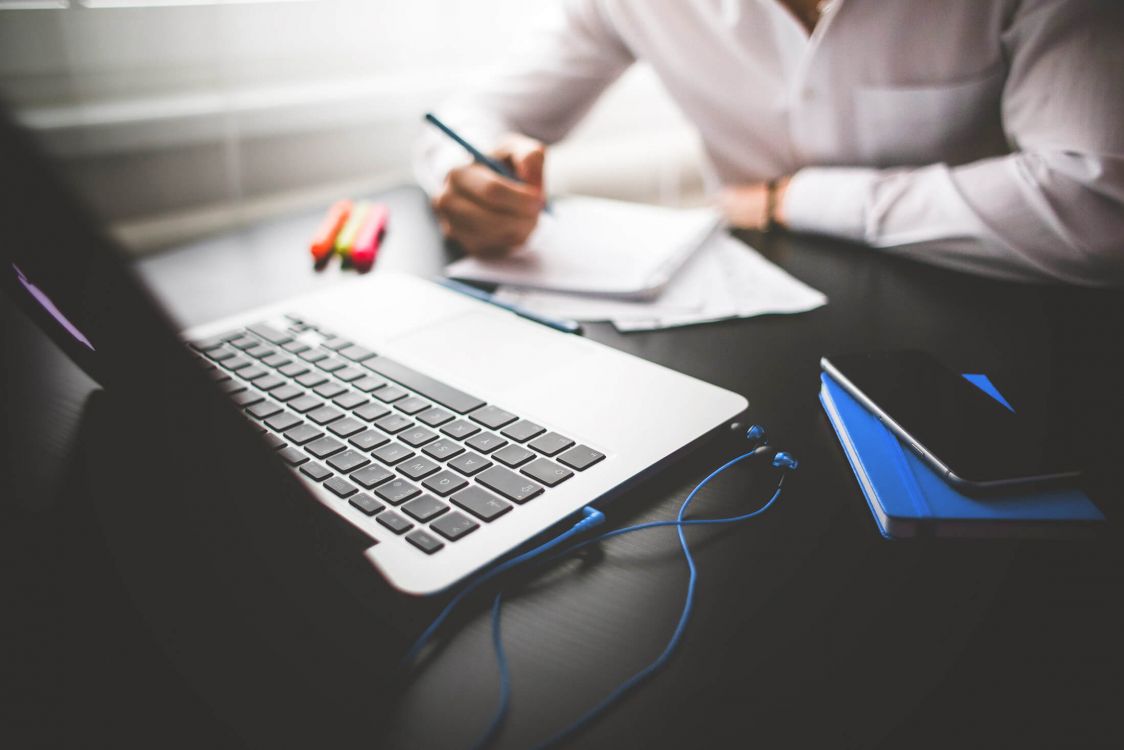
[909, 499]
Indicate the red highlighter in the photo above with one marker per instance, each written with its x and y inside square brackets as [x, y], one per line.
[367, 243]
[334, 220]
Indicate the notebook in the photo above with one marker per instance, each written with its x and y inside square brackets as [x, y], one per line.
[909, 499]
[599, 247]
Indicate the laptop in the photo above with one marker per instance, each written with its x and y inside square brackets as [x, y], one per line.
[445, 432]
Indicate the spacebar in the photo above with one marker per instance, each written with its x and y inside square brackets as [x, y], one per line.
[447, 396]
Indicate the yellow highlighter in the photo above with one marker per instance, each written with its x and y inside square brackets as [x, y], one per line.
[345, 240]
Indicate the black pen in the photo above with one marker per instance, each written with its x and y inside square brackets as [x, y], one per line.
[478, 156]
[566, 326]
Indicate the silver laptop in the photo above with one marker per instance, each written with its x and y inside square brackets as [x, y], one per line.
[447, 430]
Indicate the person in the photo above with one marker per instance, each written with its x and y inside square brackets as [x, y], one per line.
[983, 134]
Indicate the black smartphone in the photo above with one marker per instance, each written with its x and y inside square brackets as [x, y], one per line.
[975, 442]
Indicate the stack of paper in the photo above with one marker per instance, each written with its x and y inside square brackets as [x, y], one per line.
[725, 279]
[641, 267]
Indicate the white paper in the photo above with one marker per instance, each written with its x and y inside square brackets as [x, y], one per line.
[725, 279]
[599, 247]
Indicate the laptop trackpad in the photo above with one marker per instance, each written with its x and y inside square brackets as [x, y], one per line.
[487, 350]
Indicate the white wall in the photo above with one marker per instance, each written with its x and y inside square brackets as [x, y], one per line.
[184, 119]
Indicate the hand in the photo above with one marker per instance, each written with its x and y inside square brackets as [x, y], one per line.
[486, 213]
[745, 206]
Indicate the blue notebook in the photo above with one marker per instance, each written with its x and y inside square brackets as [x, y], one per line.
[909, 499]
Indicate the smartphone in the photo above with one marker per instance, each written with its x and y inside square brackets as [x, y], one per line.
[973, 441]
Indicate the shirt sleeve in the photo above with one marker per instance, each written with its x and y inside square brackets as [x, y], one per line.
[548, 82]
[1053, 209]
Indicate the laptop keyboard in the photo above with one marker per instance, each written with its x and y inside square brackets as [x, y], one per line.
[430, 462]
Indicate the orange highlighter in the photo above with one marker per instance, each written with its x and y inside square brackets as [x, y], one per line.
[366, 245]
[325, 240]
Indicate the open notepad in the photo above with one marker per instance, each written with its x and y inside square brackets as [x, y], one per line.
[602, 247]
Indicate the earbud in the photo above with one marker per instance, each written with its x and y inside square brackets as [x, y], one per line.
[756, 435]
[786, 461]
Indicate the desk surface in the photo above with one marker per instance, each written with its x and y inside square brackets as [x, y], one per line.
[810, 629]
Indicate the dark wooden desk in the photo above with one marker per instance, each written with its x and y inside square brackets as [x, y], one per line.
[810, 629]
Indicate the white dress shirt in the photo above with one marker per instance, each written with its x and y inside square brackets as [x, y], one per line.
[983, 134]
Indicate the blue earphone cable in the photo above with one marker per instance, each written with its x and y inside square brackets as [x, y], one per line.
[591, 517]
[660, 661]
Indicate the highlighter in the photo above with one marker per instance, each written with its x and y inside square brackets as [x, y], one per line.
[366, 246]
[345, 240]
[325, 238]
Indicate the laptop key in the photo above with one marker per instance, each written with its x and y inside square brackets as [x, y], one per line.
[418, 468]
[283, 421]
[258, 351]
[485, 442]
[329, 390]
[356, 353]
[424, 541]
[470, 463]
[371, 411]
[522, 431]
[454, 525]
[332, 364]
[444, 483]
[230, 385]
[411, 405]
[417, 436]
[276, 360]
[509, 484]
[269, 333]
[314, 355]
[460, 429]
[324, 447]
[368, 383]
[293, 456]
[251, 373]
[268, 383]
[243, 342]
[247, 398]
[434, 390]
[392, 453]
[349, 400]
[348, 374]
[348, 461]
[293, 369]
[393, 423]
[368, 440]
[390, 394]
[443, 449]
[311, 379]
[336, 343]
[220, 353]
[581, 457]
[316, 472]
[264, 410]
[425, 508]
[547, 472]
[345, 427]
[296, 347]
[364, 502]
[302, 434]
[371, 476]
[551, 443]
[305, 403]
[324, 414]
[395, 522]
[235, 363]
[397, 491]
[207, 345]
[480, 503]
[286, 392]
[492, 417]
[434, 417]
[340, 487]
[273, 441]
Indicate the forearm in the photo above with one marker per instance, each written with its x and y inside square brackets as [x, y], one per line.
[1029, 216]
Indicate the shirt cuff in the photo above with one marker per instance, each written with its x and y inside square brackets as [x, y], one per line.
[830, 200]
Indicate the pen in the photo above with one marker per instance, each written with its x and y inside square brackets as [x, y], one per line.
[479, 156]
[566, 326]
